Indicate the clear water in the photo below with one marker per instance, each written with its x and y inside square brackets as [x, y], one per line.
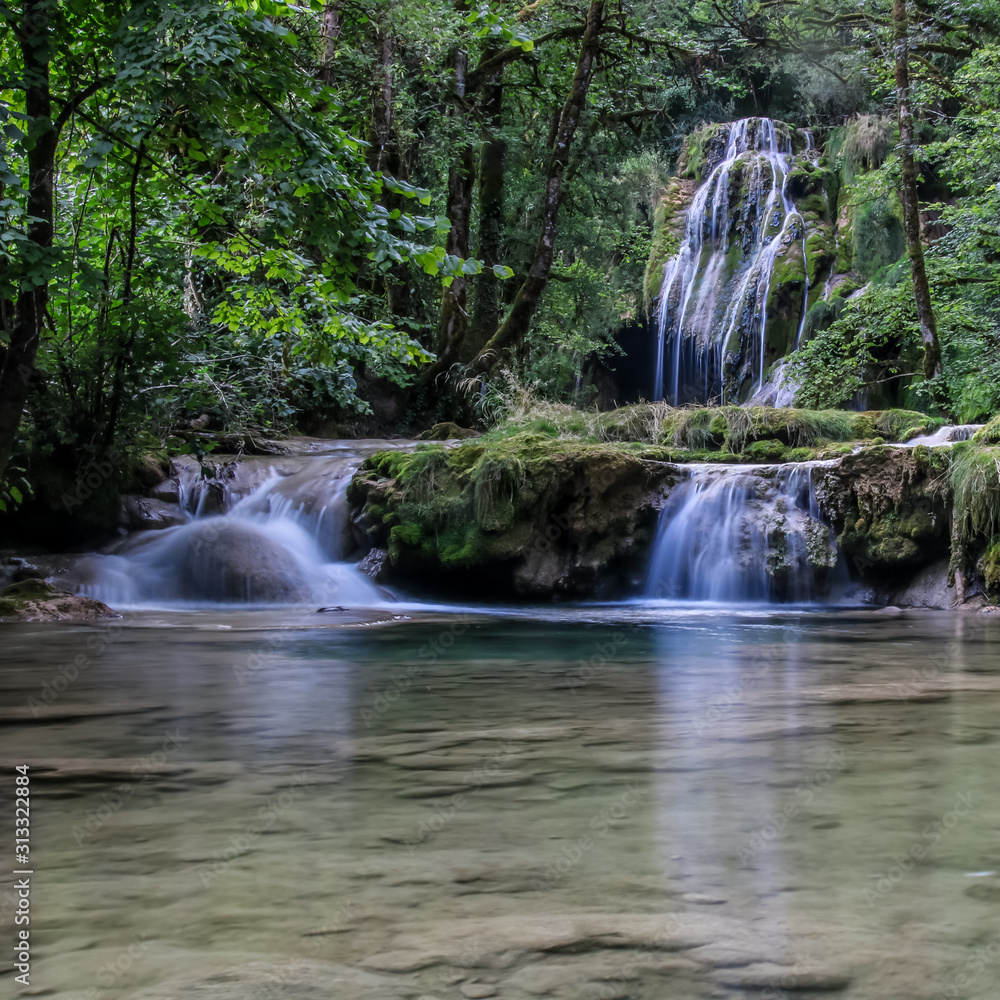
[588, 803]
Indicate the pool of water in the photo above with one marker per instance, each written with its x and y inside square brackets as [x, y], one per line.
[628, 802]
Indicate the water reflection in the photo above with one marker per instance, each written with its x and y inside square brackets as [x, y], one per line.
[607, 803]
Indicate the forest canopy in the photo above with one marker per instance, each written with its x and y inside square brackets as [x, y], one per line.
[252, 216]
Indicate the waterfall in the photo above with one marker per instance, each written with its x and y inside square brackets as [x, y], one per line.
[272, 537]
[737, 533]
[712, 308]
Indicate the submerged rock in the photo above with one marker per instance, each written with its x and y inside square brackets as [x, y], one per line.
[35, 600]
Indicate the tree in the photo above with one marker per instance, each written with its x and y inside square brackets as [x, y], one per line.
[200, 159]
[911, 209]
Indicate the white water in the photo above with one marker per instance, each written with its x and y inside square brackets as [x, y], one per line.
[692, 329]
[736, 533]
[948, 434]
[282, 543]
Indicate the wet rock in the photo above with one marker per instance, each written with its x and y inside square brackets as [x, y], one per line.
[374, 565]
[928, 589]
[168, 491]
[985, 890]
[223, 560]
[767, 976]
[149, 513]
[890, 507]
[477, 991]
[37, 601]
[14, 569]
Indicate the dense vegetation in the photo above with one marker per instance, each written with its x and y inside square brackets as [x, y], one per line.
[234, 219]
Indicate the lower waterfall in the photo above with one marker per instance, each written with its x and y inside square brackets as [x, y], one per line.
[738, 533]
[271, 538]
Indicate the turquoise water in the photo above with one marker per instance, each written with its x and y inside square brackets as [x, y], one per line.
[585, 803]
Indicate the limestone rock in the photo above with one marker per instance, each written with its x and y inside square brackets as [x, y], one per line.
[35, 600]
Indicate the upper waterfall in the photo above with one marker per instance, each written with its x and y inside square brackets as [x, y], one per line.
[743, 258]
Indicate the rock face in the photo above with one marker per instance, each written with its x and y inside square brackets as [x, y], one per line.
[890, 507]
[35, 600]
[527, 515]
[532, 516]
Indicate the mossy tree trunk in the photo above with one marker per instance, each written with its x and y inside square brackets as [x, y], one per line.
[23, 319]
[384, 153]
[454, 318]
[911, 210]
[515, 326]
[486, 311]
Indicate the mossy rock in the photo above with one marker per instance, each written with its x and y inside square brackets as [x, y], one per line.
[522, 515]
[890, 507]
[990, 434]
[35, 600]
[446, 431]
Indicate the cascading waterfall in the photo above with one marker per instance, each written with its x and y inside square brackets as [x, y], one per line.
[736, 533]
[714, 296]
[281, 542]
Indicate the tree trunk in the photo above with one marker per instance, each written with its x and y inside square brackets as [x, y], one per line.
[329, 34]
[911, 210]
[384, 155]
[29, 313]
[486, 311]
[454, 318]
[515, 327]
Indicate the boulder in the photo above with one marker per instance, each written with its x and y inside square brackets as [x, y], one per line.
[35, 600]
[147, 513]
[225, 560]
[524, 515]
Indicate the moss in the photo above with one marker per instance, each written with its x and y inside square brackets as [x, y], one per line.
[990, 434]
[878, 237]
[700, 148]
[519, 506]
[770, 450]
[446, 431]
[990, 567]
[667, 231]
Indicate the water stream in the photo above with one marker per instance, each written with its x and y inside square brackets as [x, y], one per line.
[745, 534]
[269, 531]
[713, 301]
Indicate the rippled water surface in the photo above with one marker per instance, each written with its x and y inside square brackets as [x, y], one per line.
[594, 803]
